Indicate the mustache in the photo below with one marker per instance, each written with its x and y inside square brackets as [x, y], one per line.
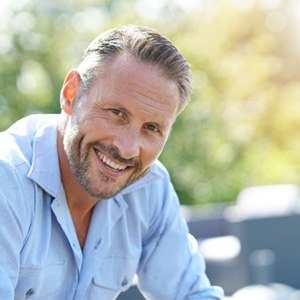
[115, 154]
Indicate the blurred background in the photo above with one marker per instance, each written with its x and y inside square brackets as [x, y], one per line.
[241, 128]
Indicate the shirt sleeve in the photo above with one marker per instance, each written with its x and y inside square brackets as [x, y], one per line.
[171, 266]
[12, 230]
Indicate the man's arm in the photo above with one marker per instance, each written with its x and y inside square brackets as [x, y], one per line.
[171, 266]
[12, 230]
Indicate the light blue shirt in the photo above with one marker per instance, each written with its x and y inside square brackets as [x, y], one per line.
[139, 231]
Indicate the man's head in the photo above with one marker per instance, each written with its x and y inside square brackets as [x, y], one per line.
[119, 107]
[145, 44]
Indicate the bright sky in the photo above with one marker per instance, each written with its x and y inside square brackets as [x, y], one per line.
[151, 8]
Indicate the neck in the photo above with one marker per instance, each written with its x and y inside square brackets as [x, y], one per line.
[80, 203]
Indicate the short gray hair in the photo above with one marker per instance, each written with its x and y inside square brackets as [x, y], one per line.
[145, 44]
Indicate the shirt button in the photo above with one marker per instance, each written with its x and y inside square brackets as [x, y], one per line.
[29, 293]
[124, 282]
[98, 243]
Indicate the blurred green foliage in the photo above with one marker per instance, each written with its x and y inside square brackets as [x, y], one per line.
[242, 126]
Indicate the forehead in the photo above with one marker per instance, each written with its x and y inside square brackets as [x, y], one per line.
[131, 82]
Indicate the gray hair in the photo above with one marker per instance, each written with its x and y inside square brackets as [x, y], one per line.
[145, 44]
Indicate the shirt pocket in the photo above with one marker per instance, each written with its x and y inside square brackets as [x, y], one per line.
[115, 275]
[39, 282]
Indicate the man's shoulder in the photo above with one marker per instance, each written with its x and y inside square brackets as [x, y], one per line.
[28, 125]
[159, 168]
[17, 140]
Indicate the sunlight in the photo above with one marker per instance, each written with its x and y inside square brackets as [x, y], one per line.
[7, 5]
[152, 8]
[294, 15]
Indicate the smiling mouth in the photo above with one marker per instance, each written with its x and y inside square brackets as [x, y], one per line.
[116, 166]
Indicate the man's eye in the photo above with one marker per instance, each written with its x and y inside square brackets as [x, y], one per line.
[117, 112]
[152, 127]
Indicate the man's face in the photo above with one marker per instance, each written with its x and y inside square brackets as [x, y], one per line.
[120, 126]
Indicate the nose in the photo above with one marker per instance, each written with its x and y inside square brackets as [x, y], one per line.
[128, 144]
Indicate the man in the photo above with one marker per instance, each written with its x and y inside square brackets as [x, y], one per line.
[84, 203]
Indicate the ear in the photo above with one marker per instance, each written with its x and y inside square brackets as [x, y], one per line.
[70, 91]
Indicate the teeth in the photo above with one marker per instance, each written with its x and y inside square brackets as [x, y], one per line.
[110, 163]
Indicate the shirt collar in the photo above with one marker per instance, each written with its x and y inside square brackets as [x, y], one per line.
[45, 165]
[152, 175]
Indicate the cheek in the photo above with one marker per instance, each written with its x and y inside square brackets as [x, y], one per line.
[72, 142]
[92, 130]
[151, 152]
[71, 134]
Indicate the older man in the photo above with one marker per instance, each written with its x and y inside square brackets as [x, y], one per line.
[84, 203]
